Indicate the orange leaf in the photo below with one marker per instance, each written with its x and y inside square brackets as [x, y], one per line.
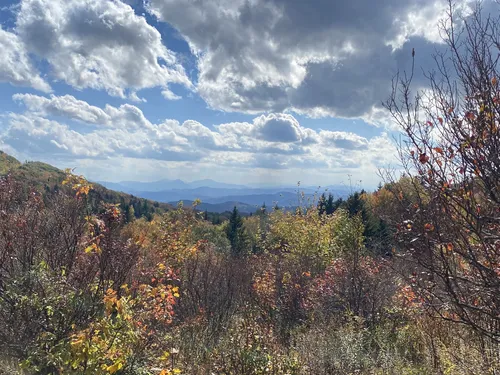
[429, 227]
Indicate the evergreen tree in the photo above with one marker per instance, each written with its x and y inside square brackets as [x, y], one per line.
[130, 213]
[146, 211]
[322, 204]
[205, 215]
[337, 204]
[377, 233]
[262, 210]
[330, 205]
[137, 207]
[216, 219]
[355, 204]
[236, 234]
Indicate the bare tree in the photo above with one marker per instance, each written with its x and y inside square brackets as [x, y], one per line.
[451, 227]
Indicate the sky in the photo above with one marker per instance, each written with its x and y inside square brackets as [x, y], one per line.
[242, 91]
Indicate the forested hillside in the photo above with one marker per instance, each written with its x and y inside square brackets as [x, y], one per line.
[48, 179]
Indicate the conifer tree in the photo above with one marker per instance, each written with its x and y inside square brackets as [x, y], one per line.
[130, 213]
[322, 204]
[236, 234]
[330, 205]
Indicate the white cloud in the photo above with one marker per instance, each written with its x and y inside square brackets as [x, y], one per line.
[319, 58]
[274, 141]
[126, 116]
[98, 44]
[278, 128]
[15, 65]
[343, 140]
[169, 95]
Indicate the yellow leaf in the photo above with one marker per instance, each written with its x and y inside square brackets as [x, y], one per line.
[76, 342]
[114, 368]
[165, 356]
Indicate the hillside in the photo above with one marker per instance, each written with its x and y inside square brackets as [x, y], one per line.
[48, 179]
[7, 163]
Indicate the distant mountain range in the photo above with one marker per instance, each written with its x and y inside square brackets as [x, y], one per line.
[221, 197]
[164, 185]
[216, 196]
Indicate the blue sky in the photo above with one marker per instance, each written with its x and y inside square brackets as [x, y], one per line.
[243, 91]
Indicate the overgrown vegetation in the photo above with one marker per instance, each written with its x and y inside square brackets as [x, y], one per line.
[403, 280]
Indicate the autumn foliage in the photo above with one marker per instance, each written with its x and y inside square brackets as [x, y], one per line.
[402, 280]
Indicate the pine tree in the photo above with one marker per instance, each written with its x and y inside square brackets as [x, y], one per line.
[262, 210]
[130, 213]
[236, 234]
[216, 219]
[137, 207]
[376, 233]
[322, 204]
[146, 211]
[330, 205]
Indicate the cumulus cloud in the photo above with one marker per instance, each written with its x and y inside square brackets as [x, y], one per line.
[273, 141]
[345, 140]
[320, 58]
[278, 128]
[15, 65]
[68, 106]
[99, 44]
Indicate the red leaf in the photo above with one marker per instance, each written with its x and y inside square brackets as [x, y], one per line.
[470, 116]
[423, 158]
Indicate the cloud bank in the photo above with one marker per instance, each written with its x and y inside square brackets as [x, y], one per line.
[273, 141]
